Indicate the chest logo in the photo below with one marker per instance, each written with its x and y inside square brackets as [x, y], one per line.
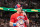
[20, 17]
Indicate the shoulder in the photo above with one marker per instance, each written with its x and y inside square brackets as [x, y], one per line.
[13, 15]
[22, 13]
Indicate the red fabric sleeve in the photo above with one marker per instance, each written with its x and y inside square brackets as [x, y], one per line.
[12, 18]
[26, 17]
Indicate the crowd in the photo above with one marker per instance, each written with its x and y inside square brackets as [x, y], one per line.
[33, 17]
[26, 4]
[4, 23]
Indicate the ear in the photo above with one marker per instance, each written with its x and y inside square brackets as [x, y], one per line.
[16, 9]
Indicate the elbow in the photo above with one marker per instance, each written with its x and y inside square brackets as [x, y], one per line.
[27, 22]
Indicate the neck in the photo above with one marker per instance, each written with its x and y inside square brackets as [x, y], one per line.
[18, 12]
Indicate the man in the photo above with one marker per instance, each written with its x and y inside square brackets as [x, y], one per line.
[19, 18]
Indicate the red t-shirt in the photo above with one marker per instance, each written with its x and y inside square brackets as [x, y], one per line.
[18, 18]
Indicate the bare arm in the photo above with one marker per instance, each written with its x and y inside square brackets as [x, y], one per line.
[27, 22]
[12, 19]
[11, 23]
[26, 19]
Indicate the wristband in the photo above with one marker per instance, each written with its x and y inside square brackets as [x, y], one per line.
[14, 24]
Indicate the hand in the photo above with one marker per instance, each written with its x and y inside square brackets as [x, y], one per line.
[17, 24]
[24, 13]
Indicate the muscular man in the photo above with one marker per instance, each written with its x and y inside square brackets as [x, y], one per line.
[19, 18]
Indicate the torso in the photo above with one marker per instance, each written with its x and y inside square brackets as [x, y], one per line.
[19, 18]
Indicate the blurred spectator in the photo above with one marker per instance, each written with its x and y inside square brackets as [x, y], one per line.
[12, 3]
[0, 4]
[2, 23]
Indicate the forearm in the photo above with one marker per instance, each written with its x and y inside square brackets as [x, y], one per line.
[27, 22]
[13, 24]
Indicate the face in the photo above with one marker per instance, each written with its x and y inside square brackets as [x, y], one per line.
[19, 9]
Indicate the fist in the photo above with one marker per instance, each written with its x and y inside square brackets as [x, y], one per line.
[24, 13]
[17, 24]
